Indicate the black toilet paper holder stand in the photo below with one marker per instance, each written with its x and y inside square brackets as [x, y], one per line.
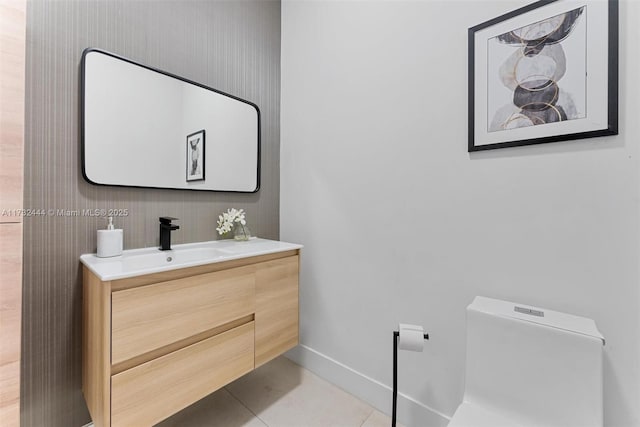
[396, 335]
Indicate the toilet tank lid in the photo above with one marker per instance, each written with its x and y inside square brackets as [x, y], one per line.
[541, 316]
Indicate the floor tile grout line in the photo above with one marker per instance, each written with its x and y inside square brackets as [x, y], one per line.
[248, 409]
[373, 410]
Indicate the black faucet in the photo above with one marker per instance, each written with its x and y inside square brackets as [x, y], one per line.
[165, 232]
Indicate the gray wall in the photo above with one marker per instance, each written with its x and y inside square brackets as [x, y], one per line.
[233, 46]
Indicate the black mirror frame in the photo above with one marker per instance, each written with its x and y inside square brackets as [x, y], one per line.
[166, 73]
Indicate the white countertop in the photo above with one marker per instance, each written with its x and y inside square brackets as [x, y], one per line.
[137, 262]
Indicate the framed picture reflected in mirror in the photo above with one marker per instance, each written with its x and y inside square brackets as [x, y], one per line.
[196, 156]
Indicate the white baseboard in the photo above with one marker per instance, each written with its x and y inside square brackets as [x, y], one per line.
[410, 412]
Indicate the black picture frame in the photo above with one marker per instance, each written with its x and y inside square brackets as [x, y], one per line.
[196, 156]
[480, 127]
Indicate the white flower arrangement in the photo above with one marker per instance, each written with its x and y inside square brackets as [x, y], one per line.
[228, 219]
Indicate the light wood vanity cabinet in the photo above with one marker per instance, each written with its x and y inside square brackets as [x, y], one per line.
[276, 308]
[155, 344]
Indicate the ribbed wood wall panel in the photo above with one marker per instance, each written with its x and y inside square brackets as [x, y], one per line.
[231, 45]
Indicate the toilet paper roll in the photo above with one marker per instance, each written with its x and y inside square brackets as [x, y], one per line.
[411, 337]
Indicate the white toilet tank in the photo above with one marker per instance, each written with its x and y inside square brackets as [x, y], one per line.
[533, 367]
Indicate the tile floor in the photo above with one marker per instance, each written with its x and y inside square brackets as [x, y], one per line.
[279, 394]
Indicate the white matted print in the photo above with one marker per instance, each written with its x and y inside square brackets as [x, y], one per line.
[196, 156]
[543, 73]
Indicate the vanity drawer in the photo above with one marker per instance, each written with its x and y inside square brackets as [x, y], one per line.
[151, 392]
[148, 318]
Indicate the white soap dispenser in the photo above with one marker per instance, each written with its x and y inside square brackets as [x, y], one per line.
[109, 241]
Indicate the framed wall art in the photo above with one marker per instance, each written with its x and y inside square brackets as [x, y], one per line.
[543, 73]
[195, 156]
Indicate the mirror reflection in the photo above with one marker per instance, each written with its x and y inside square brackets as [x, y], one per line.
[146, 128]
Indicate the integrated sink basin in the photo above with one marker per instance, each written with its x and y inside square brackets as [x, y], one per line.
[162, 258]
[136, 262]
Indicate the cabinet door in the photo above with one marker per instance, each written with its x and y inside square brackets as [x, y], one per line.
[276, 308]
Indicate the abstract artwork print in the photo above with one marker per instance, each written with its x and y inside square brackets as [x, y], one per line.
[536, 74]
